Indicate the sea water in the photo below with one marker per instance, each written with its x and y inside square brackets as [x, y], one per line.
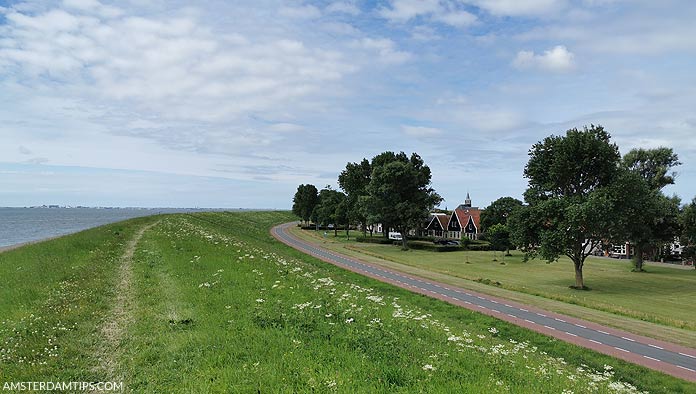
[19, 225]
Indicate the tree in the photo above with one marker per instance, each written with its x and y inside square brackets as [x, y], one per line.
[399, 192]
[329, 209]
[354, 180]
[688, 221]
[653, 165]
[499, 237]
[571, 204]
[304, 201]
[498, 212]
[688, 236]
[651, 217]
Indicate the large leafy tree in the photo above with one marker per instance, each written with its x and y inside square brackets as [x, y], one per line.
[305, 200]
[354, 180]
[330, 209]
[572, 202]
[399, 192]
[498, 212]
[651, 218]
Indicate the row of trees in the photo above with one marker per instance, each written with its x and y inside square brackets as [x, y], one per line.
[392, 188]
[582, 194]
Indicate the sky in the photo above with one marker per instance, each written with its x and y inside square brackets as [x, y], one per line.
[235, 103]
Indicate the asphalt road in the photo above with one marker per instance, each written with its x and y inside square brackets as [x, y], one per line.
[672, 359]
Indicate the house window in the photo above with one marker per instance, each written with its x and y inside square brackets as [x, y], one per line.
[619, 249]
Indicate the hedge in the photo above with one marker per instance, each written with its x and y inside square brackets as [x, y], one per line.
[375, 240]
[422, 245]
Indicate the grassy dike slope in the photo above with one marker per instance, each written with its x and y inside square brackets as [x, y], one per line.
[214, 304]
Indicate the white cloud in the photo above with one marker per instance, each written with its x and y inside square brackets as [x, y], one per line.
[420, 131]
[385, 49]
[103, 10]
[424, 33]
[631, 29]
[468, 113]
[340, 28]
[519, 7]
[404, 10]
[286, 127]
[343, 7]
[446, 12]
[556, 59]
[300, 12]
[456, 18]
[174, 67]
[176, 91]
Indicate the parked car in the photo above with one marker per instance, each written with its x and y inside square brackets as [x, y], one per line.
[395, 236]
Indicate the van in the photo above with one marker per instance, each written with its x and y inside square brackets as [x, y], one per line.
[395, 236]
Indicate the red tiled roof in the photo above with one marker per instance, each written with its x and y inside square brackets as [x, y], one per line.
[463, 215]
[444, 220]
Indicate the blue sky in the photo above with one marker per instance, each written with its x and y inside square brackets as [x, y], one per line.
[235, 103]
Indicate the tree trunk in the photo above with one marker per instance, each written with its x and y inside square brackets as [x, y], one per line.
[638, 258]
[579, 282]
[335, 230]
[347, 230]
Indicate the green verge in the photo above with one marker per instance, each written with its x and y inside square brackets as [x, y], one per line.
[220, 306]
[661, 295]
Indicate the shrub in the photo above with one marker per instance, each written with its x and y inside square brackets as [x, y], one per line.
[423, 245]
[479, 247]
[375, 240]
[419, 238]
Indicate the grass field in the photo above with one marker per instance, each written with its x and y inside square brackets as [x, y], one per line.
[211, 303]
[662, 295]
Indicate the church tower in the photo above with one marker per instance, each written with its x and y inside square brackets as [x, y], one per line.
[467, 202]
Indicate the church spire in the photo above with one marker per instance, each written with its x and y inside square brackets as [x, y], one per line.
[467, 202]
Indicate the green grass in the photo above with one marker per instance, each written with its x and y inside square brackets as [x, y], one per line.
[54, 296]
[219, 306]
[662, 294]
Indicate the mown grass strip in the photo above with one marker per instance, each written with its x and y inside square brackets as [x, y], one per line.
[658, 324]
